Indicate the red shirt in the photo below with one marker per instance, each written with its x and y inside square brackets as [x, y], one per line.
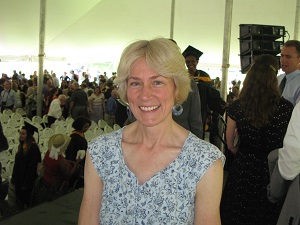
[53, 174]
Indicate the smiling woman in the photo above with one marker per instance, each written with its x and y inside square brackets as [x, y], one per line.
[156, 167]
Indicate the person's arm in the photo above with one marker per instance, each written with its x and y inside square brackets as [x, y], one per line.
[230, 132]
[289, 156]
[208, 196]
[195, 117]
[68, 168]
[92, 195]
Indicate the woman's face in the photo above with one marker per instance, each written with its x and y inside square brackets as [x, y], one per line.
[150, 95]
[85, 127]
[23, 135]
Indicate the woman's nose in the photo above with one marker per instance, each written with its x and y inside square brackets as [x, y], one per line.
[146, 92]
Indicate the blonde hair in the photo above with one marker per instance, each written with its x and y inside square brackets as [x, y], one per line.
[163, 56]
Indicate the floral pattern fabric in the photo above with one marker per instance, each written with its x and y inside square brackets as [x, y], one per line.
[166, 198]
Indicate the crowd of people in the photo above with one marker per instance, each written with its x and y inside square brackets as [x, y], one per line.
[157, 169]
[63, 163]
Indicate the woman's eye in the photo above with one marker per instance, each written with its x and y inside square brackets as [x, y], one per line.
[157, 82]
[134, 84]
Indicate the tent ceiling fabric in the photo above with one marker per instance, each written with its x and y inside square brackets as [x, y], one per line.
[98, 30]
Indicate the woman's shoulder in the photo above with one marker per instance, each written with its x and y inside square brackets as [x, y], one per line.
[199, 147]
[201, 152]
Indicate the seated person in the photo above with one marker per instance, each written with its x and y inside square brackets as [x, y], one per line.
[56, 170]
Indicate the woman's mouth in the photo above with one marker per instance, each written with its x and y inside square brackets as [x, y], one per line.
[148, 108]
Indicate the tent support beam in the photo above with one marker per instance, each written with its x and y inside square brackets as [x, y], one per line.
[226, 47]
[225, 61]
[172, 19]
[297, 18]
[41, 57]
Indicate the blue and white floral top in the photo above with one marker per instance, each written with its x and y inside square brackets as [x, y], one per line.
[166, 198]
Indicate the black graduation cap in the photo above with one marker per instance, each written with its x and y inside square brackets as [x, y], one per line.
[190, 50]
[30, 128]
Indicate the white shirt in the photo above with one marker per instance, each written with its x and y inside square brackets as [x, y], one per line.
[55, 82]
[289, 155]
[55, 109]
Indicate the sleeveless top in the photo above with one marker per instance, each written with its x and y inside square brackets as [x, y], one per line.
[166, 198]
[53, 175]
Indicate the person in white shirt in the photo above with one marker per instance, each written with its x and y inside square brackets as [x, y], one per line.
[8, 97]
[55, 81]
[289, 154]
[55, 110]
[284, 167]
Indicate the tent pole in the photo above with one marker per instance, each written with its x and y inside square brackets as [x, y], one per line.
[226, 47]
[41, 57]
[297, 18]
[172, 19]
[225, 61]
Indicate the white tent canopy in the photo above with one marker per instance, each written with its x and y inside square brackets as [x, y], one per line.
[98, 30]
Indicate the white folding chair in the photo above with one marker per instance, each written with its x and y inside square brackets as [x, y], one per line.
[16, 116]
[102, 124]
[21, 111]
[45, 119]
[37, 119]
[98, 131]
[69, 129]
[116, 127]
[89, 135]
[4, 119]
[108, 129]
[60, 122]
[69, 120]
[15, 123]
[7, 112]
[46, 133]
[10, 131]
[93, 125]
[38, 125]
[60, 130]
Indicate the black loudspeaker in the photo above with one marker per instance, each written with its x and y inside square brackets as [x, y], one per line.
[259, 39]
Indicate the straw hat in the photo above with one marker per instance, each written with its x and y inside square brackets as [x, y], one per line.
[57, 144]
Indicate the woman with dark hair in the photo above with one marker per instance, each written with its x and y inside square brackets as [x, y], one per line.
[25, 168]
[260, 117]
[77, 147]
[78, 141]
